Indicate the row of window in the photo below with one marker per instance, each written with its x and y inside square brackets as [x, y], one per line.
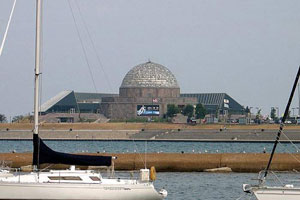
[71, 178]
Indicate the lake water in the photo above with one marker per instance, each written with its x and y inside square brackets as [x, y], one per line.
[151, 146]
[214, 186]
[204, 186]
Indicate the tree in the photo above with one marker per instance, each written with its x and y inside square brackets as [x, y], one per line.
[273, 113]
[17, 118]
[188, 110]
[30, 118]
[258, 113]
[258, 116]
[2, 118]
[247, 110]
[172, 110]
[200, 111]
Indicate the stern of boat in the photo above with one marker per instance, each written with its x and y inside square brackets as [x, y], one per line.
[149, 176]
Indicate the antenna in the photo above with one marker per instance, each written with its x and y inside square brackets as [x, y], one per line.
[7, 27]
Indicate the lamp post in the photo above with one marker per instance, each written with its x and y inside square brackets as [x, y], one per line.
[277, 108]
[249, 115]
[293, 111]
[257, 117]
[297, 117]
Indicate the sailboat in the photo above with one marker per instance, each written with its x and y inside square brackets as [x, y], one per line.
[70, 183]
[285, 192]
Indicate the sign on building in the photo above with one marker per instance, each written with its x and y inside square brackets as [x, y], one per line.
[147, 110]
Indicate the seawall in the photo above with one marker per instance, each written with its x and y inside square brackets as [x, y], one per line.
[175, 162]
[151, 131]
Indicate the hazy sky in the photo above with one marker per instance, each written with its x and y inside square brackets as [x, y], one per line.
[249, 49]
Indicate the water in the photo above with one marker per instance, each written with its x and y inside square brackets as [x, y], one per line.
[152, 146]
[203, 186]
[214, 186]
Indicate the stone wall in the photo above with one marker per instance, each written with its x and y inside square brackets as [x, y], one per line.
[150, 92]
[126, 107]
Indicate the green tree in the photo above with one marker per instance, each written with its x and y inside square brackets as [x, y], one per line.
[172, 110]
[188, 110]
[200, 111]
[273, 113]
[258, 116]
[247, 110]
[2, 118]
[30, 118]
[17, 118]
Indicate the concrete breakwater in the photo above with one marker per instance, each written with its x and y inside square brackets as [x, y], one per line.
[176, 162]
[231, 135]
[150, 131]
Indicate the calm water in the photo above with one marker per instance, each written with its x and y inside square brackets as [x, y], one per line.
[206, 186]
[152, 146]
[214, 186]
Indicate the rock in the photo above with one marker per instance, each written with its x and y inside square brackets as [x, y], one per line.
[27, 168]
[220, 170]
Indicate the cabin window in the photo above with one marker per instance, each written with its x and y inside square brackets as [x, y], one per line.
[65, 178]
[95, 178]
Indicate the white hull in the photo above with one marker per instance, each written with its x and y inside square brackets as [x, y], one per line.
[78, 191]
[74, 185]
[277, 193]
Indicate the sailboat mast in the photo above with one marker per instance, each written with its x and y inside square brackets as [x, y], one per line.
[282, 123]
[36, 140]
[37, 65]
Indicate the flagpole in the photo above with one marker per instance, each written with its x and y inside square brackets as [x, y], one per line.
[152, 109]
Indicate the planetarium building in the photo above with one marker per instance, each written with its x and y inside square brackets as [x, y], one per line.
[146, 91]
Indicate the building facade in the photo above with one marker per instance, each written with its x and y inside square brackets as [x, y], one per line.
[146, 91]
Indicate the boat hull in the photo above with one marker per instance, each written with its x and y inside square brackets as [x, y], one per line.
[49, 191]
[277, 193]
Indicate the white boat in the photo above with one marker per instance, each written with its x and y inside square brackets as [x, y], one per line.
[75, 184]
[71, 183]
[287, 192]
[284, 192]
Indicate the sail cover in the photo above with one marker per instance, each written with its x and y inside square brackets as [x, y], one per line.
[43, 154]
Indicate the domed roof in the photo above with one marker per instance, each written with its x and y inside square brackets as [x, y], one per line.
[149, 74]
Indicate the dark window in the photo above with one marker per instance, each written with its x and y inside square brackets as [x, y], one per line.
[95, 178]
[65, 178]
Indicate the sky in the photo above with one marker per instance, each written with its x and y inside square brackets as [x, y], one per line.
[248, 49]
